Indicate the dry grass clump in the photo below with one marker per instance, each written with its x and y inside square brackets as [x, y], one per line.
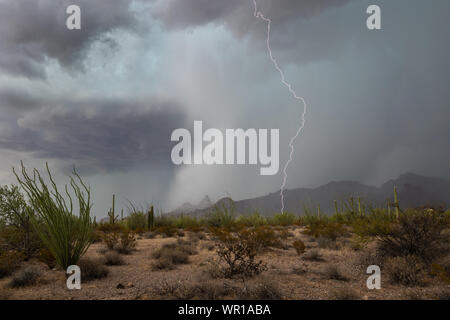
[172, 254]
[92, 269]
[299, 247]
[127, 242]
[112, 258]
[327, 243]
[261, 290]
[332, 272]
[408, 271]
[346, 293]
[313, 255]
[26, 277]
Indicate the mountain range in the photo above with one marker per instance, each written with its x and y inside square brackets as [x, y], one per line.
[413, 190]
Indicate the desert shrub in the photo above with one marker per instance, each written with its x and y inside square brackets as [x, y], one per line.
[9, 262]
[299, 270]
[327, 243]
[299, 247]
[346, 294]
[127, 242]
[186, 222]
[262, 290]
[417, 233]
[47, 257]
[237, 253]
[266, 237]
[441, 272]
[406, 270]
[110, 227]
[16, 230]
[92, 269]
[221, 217]
[167, 231]
[24, 278]
[283, 219]
[172, 254]
[111, 239]
[253, 220]
[313, 255]
[66, 235]
[326, 229]
[112, 258]
[332, 272]
[377, 224]
[136, 221]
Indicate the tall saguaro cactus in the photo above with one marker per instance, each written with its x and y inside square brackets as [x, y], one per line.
[150, 219]
[396, 204]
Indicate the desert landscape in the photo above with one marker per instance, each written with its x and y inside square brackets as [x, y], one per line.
[227, 256]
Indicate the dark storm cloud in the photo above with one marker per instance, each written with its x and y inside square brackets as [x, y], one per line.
[102, 135]
[295, 24]
[33, 31]
[181, 13]
[15, 99]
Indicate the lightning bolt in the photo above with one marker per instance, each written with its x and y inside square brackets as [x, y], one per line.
[259, 15]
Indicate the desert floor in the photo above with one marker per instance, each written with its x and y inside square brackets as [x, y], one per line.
[138, 280]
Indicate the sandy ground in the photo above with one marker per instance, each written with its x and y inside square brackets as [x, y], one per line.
[137, 280]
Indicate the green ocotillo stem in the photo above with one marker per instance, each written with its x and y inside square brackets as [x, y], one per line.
[389, 207]
[318, 211]
[336, 207]
[113, 207]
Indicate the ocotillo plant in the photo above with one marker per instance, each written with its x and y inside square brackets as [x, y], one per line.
[66, 235]
[336, 207]
[150, 219]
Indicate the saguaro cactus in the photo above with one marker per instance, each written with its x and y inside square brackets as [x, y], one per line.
[150, 219]
[112, 213]
[397, 206]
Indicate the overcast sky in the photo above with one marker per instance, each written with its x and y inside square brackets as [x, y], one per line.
[106, 98]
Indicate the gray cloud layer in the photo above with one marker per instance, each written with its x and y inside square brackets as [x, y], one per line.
[33, 31]
[378, 101]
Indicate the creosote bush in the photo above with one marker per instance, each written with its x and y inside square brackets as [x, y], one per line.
[237, 253]
[172, 254]
[66, 235]
[26, 277]
[407, 270]
[92, 269]
[299, 247]
[419, 233]
[127, 242]
[112, 258]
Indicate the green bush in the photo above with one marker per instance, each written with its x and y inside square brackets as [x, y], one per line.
[420, 233]
[137, 221]
[15, 220]
[67, 236]
[283, 219]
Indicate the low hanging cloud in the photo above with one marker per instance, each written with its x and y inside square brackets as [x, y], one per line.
[112, 136]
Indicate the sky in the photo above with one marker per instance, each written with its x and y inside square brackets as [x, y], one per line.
[105, 99]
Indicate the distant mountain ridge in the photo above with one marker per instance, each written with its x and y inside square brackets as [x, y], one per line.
[413, 190]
